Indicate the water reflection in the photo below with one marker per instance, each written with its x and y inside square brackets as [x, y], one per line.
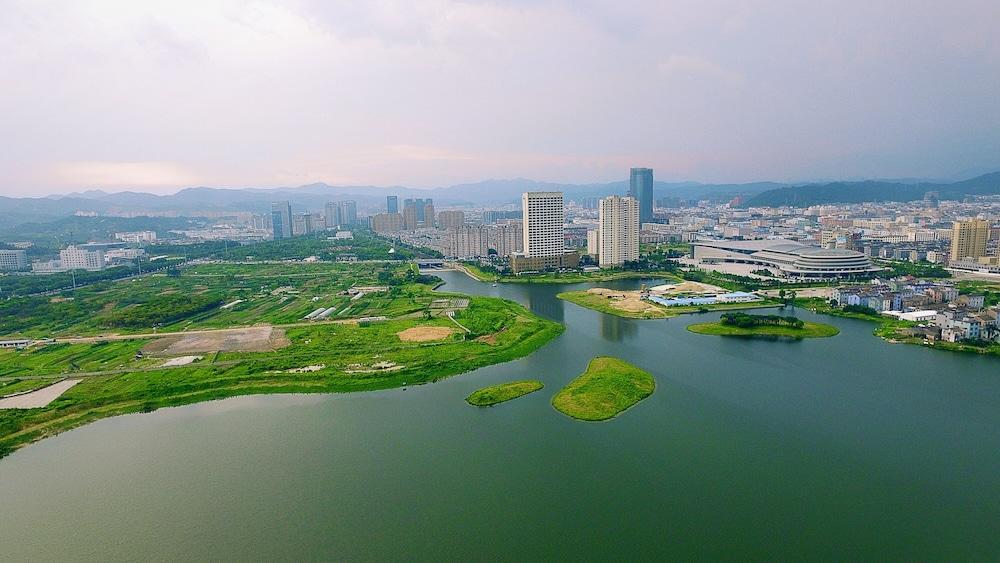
[546, 306]
[617, 329]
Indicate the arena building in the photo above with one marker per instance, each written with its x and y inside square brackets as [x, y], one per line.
[786, 258]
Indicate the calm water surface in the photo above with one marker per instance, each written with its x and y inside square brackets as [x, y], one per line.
[841, 448]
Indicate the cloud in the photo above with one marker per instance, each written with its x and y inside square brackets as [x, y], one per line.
[688, 65]
[165, 94]
[123, 174]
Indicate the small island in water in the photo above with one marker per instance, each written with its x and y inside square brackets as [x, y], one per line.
[496, 394]
[742, 324]
[608, 387]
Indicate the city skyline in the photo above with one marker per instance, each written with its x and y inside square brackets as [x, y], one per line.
[150, 96]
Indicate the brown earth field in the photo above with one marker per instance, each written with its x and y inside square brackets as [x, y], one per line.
[250, 339]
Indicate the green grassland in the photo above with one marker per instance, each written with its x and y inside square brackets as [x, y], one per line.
[65, 359]
[604, 305]
[808, 330]
[608, 387]
[496, 394]
[339, 357]
[353, 358]
[196, 298]
[14, 386]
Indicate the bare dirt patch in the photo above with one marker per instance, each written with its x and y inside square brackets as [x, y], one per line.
[425, 333]
[252, 339]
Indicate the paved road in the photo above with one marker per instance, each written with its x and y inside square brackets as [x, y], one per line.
[40, 398]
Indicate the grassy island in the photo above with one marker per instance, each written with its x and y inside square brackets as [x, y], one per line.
[742, 324]
[383, 327]
[496, 394]
[608, 387]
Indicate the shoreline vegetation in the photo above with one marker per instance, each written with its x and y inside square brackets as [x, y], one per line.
[479, 274]
[764, 326]
[895, 331]
[602, 304]
[496, 394]
[134, 374]
[607, 388]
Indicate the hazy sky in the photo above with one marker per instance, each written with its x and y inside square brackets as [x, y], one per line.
[161, 95]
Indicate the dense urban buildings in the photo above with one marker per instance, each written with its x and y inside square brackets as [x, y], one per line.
[387, 223]
[618, 233]
[968, 239]
[76, 258]
[448, 219]
[13, 260]
[281, 220]
[640, 187]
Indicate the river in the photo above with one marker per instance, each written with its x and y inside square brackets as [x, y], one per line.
[841, 448]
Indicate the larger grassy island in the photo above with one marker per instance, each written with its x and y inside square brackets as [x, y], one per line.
[224, 329]
[608, 387]
[768, 326]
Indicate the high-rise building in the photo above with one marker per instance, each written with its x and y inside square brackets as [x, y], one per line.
[281, 220]
[302, 224]
[74, 258]
[13, 260]
[544, 224]
[392, 204]
[349, 212]
[410, 216]
[593, 241]
[968, 239]
[387, 223]
[618, 234]
[475, 241]
[448, 219]
[428, 219]
[640, 187]
[332, 216]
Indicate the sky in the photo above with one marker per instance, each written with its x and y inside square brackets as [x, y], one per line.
[158, 96]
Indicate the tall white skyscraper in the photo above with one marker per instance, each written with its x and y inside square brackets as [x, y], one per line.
[619, 231]
[544, 224]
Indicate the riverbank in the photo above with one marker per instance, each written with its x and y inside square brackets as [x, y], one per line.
[479, 274]
[608, 387]
[649, 310]
[896, 331]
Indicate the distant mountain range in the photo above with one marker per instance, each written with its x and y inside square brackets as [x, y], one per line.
[858, 192]
[312, 197]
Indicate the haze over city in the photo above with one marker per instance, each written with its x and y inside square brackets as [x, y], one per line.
[158, 96]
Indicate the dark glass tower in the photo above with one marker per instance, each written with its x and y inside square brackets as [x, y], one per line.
[640, 186]
[392, 204]
[281, 220]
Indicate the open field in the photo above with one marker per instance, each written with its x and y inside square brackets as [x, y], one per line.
[317, 357]
[496, 394]
[608, 303]
[425, 333]
[808, 330]
[608, 387]
[252, 339]
[217, 296]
